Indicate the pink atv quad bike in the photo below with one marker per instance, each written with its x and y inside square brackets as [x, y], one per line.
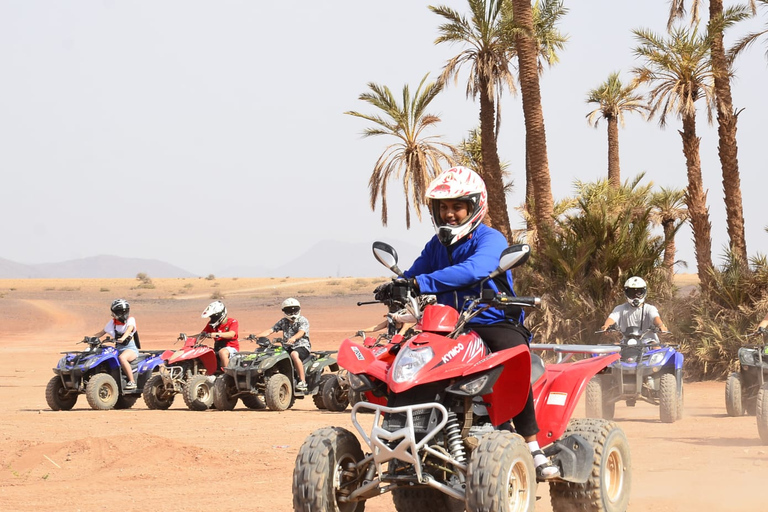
[189, 372]
[434, 445]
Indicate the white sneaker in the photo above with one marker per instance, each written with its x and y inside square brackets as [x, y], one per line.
[301, 386]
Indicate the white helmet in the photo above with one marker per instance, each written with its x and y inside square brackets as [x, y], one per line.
[462, 184]
[216, 313]
[635, 290]
[291, 308]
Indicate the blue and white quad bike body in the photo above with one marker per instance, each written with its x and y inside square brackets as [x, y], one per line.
[96, 372]
[648, 370]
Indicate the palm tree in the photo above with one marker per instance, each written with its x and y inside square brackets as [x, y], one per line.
[614, 99]
[415, 157]
[679, 72]
[751, 38]
[719, 20]
[488, 57]
[669, 212]
[528, 50]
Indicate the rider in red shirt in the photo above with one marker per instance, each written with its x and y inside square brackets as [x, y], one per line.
[223, 330]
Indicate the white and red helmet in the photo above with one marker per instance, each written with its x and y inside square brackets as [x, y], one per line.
[461, 184]
[216, 313]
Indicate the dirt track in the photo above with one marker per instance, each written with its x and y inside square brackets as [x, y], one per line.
[242, 460]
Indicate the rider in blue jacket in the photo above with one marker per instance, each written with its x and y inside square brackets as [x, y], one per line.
[453, 262]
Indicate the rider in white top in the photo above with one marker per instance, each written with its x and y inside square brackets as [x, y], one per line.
[635, 312]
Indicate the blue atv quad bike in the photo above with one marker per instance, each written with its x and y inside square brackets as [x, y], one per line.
[96, 372]
[648, 370]
[746, 390]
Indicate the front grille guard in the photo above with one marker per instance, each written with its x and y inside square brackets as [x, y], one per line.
[406, 450]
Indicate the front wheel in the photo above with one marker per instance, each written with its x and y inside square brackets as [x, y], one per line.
[734, 401]
[59, 398]
[610, 481]
[598, 401]
[101, 392]
[326, 472]
[198, 393]
[155, 395]
[334, 396]
[278, 392]
[501, 476]
[224, 387]
[762, 413]
[668, 398]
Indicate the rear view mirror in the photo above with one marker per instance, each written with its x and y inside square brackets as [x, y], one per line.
[387, 256]
[513, 256]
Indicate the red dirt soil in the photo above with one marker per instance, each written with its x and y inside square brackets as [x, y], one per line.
[142, 459]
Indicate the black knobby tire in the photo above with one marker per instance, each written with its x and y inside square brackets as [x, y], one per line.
[610, 481]
[325, 470]
[198, 393]
[278, 393]
[224, 387]
[253, 402]
[668, 398]
[501, 476]
[762, 413]
[317, 398]
[734, 400]
[102, 392]
[597, 400]
[334, 396]
[155, 395]
[126, 401]
[58, 397]
[680, 402]
[424, 499]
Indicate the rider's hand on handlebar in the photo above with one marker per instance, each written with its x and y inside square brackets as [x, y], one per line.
[182, 337]
[360, 333]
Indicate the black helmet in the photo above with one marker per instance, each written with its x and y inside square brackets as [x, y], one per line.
[120, 309]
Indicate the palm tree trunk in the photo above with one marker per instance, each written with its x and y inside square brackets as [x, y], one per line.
[614, 173]
[668, 226]
[535, 135]
[491, 171]
[727, 146]
[696, 200]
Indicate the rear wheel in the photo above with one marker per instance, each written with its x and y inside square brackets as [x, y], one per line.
[326, 470]
[501, 476]
[762, 413]
[734, 401]
[58, 397]
[101, 392]
[610, 481]
[224, 387]
[334, 396]
[253, 402]
[278, 392]
[155, 395]
[597, 400]
[668, 398]
[198, 393]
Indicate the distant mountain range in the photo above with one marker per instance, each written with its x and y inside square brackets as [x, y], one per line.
[324, 259]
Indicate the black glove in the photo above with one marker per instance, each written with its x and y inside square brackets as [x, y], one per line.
[383, 292]
[761, 330]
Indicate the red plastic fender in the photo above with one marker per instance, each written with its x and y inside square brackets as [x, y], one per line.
[511, 388]
[359, 359]
[559, 390]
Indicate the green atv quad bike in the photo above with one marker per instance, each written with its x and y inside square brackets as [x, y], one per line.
[267, 377]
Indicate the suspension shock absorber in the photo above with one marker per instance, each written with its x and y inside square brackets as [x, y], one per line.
[453, 438]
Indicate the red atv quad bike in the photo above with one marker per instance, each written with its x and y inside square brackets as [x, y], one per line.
[434, 445]
[189, 372]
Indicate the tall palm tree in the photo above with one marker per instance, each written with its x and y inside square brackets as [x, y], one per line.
[415, 157]
[669, 212]
[488, 57]
[678, 70]
[527, 49]
[751, 38]
[719, 20]
[614, 99]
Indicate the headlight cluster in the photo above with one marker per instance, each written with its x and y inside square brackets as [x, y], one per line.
[656, 358]
[409, 362]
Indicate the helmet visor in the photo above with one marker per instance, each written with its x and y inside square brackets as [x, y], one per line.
[634, 293]
[291, 310]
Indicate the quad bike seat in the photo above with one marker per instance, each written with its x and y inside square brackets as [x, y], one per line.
[537, 367]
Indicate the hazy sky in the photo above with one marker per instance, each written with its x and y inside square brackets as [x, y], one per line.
[212, 134]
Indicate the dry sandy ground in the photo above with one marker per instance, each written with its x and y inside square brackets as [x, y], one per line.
[178, 459]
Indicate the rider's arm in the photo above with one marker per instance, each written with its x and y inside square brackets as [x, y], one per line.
[764, 322]
[608, 322]
[660, 324]
[129, 329]
[296, 337]
[100, 334]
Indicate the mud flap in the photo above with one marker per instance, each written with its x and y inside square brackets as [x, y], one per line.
[574, 455]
